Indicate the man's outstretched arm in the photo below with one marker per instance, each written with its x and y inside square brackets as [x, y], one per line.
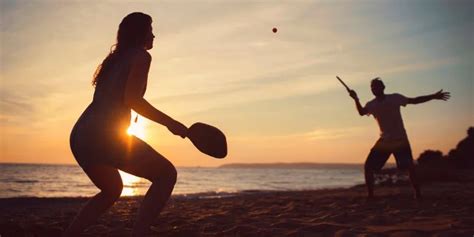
[362, 111]
[440, 95]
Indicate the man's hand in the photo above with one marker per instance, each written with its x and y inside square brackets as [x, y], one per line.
[440, 95]
[360, 109]
[178, 128]
[353, 94]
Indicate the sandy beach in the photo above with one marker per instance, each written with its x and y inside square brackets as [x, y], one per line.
[446, 210]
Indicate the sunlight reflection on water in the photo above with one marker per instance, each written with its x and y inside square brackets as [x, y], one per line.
[129, 184]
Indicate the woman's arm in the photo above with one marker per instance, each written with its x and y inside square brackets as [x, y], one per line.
[134, 87]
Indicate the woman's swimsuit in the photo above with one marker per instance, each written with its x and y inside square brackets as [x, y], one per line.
[99, 136]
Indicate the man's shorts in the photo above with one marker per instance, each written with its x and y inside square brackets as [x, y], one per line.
[382, 150]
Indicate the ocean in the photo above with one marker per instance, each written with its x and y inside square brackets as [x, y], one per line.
[40, 180]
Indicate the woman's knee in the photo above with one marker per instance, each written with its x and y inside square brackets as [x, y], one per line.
[168, 174]
[173, 176]
[107, 179]
[113, 191]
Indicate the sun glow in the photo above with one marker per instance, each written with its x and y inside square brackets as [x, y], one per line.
[129, 184]
[137, 127]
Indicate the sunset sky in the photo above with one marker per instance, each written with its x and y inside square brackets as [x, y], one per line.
[274, 95]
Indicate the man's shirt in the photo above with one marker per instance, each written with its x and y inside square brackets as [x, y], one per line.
[388, 116]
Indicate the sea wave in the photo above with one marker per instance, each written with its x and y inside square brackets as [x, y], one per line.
[22, 181]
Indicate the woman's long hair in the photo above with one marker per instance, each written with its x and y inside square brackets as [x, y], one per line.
[132, 33]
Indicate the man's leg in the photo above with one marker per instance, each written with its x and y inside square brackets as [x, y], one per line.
[404, 160]
[375, 161]
[414, 182]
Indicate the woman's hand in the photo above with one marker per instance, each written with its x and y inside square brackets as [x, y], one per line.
[178, 128]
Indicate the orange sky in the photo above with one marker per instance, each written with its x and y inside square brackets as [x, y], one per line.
[274, 95]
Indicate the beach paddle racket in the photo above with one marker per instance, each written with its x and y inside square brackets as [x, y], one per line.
[208, 139]
[344, 84]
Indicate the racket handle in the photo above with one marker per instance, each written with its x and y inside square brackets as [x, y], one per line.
[344, 84]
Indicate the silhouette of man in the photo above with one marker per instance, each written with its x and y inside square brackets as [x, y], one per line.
[393, 138]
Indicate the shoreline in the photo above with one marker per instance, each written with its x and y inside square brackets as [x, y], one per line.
[446, 210]
[192, 196]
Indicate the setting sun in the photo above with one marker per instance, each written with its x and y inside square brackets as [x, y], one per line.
[137, 127]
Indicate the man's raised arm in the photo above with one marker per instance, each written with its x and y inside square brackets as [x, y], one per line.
[362, 111]
[440, 95]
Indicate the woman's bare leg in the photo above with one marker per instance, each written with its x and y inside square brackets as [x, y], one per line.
[108, 180]
[147, 163]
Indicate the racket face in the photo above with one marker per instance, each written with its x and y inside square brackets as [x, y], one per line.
[208, 139]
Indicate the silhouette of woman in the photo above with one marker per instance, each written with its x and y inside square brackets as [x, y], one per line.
[99, 141]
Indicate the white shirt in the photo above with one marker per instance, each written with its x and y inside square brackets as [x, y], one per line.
[388, 116]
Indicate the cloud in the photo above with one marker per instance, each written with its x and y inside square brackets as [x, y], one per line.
[329, 134]
[418, 66]
[14, 107]
[309, 136]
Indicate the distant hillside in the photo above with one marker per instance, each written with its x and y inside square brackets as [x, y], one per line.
[301, 165]
[461, 157]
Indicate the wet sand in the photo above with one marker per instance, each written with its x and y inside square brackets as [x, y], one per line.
[446, 210]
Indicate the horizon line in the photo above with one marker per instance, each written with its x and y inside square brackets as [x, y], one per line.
[198, 166]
